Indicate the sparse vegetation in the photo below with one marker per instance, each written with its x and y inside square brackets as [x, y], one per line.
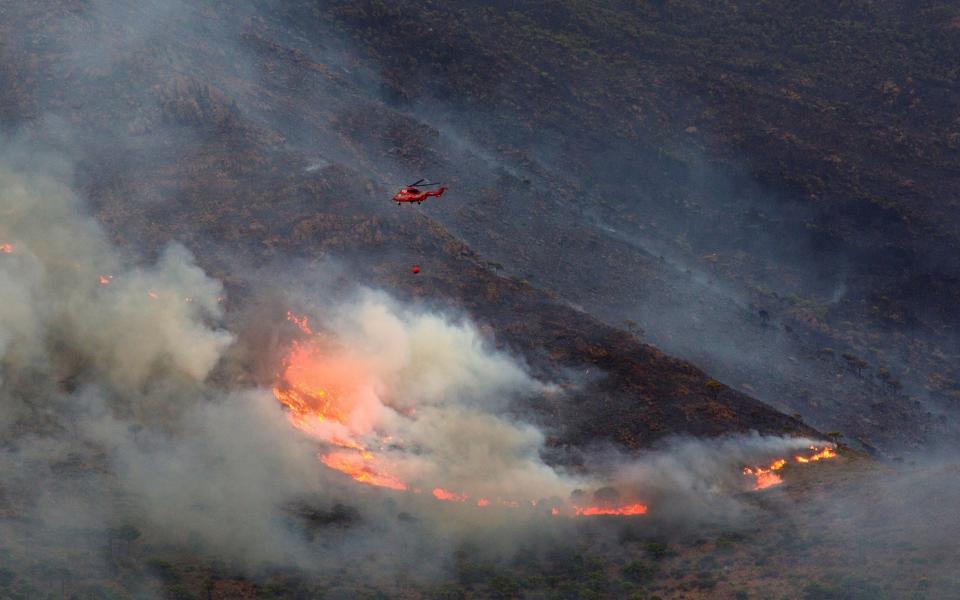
[658, 550]
[715, 388]
[855, 363]
[639, 571]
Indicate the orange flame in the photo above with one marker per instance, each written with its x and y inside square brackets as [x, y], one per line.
[302, 323]
[768, 477]
[105, 279]
[447, 496]
[6, 248]
[319, 390]
[319, 393]
[323, 394]
[626, 510]
[362, 468]
[765, 478]
[821, 455]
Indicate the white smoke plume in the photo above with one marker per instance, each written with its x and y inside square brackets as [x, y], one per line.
[436, 386]
[64, 287]
[692, 480]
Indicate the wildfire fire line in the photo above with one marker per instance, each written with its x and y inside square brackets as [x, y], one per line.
[768, 477]
[320, 392]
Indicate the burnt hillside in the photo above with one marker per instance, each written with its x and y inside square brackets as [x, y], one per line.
[185, 133]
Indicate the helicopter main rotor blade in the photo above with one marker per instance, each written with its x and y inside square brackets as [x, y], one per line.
[417, 183]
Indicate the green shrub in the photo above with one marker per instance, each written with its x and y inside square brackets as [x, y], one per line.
[6, 578]
[448, 592]
[639, 571]
[504, 587]
[657, 551]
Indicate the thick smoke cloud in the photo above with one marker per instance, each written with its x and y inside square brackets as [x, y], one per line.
[68, 295]
[104, 364]
[435, 385]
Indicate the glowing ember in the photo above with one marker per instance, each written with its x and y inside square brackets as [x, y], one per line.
[105, 279]
[302, 323]
[6, 248]
[626, 510]
[153, 295]
[442, 494]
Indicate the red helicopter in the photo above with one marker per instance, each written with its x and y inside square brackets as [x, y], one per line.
[412, 194]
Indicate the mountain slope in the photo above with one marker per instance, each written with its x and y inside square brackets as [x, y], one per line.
[181, 132]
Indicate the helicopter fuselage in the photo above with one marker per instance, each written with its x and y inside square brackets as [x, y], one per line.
[411, 194]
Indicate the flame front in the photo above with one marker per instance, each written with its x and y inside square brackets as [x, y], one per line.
[362, 467]
[328, 396]
[324, 398]
[821, 455]
[442, 494]
[625, 510]
[766, 477]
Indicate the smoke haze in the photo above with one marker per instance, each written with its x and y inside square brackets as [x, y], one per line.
[107, 364]
[137, 391]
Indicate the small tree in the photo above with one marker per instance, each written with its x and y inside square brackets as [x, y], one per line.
[125, 533]
[657, 550]
[633, 328]
[209, 585]
[856, 364]
[764, 317]
[639, 571]
[714, 387]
